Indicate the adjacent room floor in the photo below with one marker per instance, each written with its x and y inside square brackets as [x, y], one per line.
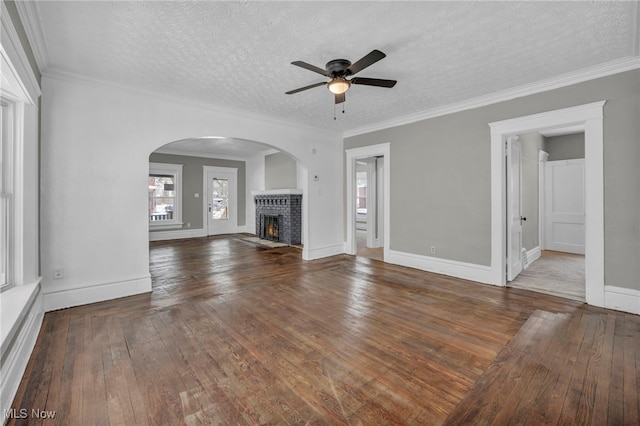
[364, 251]
[555, 273]
[239, 333]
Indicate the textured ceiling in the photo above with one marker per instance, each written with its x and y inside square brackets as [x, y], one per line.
[238, 54]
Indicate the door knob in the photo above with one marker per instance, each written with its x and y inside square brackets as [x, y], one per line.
[522, 218]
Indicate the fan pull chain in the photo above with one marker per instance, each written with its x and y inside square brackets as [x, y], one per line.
[334, 110]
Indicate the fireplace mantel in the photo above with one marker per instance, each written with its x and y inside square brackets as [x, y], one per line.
[278, 192]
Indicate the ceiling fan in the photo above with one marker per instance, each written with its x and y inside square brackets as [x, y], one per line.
[339, 70]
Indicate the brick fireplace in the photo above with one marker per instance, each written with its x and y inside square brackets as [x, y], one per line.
[279, 215]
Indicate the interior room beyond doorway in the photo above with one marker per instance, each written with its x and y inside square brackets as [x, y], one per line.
[553, 215]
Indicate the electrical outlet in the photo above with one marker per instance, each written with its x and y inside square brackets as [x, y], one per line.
[58, 273]
[433, 249]
[188, 224]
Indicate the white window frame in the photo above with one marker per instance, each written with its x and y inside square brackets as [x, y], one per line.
[6, 191]
[175, 170]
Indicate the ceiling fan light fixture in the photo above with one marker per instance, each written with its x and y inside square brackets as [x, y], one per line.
[339, 85]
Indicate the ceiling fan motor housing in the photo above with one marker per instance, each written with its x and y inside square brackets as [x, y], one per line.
[338, 67]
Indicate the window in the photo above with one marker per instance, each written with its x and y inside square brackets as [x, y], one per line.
[361, 195]
[220, 199]
[6, 167]
[165, 196]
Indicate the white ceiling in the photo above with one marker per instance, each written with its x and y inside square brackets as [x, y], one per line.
[238, 54]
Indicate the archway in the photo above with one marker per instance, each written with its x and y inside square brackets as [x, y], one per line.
[183, 210]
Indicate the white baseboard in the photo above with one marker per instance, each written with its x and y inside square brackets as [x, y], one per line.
[17, 350]
[534, 254]
[320, 252]
[96, 293]
[453, 268]
[176, 235]
[244, 229]
[622, 299]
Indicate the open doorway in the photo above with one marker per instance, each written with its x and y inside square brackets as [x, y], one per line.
[371, 164]
[590, 118]
[369, 207]
[551, 210]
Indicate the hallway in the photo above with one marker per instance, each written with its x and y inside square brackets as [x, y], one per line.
[555, 273]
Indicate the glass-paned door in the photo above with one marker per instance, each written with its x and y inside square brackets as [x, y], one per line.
[222, 200]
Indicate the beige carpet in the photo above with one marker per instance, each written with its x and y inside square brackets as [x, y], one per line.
[555, 273]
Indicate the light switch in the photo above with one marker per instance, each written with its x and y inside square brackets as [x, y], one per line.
[197, 195]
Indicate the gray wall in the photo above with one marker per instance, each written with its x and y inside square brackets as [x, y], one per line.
[531, 144]
[566, 147]
[192, 184]
[280, 171]
[440, 175]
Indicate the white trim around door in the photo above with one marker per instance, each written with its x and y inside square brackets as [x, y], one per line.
[225, 173]
[382, 150]
[591, 117]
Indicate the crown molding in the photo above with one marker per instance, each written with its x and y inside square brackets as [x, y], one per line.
[30, 15]
[185, 153]
[71, 77]
[15, 52]
[563, 80]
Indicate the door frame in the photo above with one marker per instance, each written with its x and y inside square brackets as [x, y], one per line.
[375, 199]
[380, 150]
[591, 116]
[543, 157]
[233, 201]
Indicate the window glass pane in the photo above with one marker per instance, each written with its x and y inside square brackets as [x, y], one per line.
[361, 196]
[4, 240]
[220, 199]
[161, 197]
[5, 216]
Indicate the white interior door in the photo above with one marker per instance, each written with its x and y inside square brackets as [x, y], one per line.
[564, 206]
[514, 216]
[221, 209]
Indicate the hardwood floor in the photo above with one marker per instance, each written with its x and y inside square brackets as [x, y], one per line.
[234, 333]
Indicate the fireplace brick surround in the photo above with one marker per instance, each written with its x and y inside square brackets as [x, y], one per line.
[287, 205]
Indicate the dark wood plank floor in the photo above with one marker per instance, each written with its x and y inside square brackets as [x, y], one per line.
[237, 334]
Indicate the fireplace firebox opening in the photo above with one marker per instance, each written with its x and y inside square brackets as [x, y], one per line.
[270, 227]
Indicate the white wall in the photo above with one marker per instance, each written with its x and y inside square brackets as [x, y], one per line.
[21, 310]
[255, 181]
[96, 141]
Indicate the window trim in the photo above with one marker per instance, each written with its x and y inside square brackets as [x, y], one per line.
[7, 190]
[176, 170]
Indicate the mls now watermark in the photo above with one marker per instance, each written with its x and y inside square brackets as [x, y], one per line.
[24, 413]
